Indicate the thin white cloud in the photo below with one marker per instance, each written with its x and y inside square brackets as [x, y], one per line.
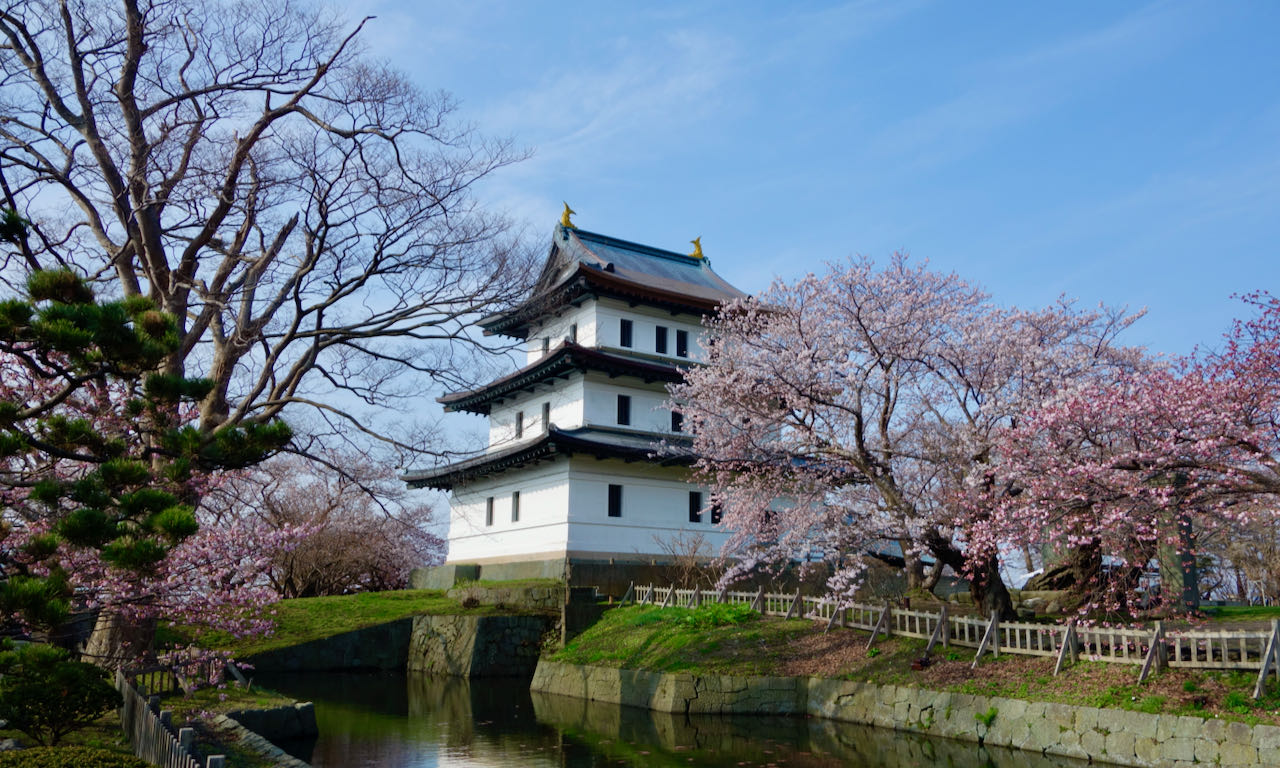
[1008, 89]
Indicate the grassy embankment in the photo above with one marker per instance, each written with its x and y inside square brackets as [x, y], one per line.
[312, 618]
[733, 640]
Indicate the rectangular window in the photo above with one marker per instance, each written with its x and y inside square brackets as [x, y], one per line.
[546, 417]
[682, 343]
[573, 333]
[624, 409]
[515, 506]
[677, 421]
[695, 506]
[519, 424]
[660, 339]
[615, 501]
[488, 511]
[624, 334]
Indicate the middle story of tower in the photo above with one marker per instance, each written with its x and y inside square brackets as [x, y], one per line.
[585, 458]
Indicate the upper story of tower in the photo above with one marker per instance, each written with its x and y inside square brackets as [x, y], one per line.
[607, 326]
[591, 283]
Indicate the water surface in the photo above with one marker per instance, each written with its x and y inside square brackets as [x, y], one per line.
[421, 721]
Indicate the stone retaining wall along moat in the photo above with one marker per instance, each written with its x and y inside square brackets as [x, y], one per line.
[1110, 736]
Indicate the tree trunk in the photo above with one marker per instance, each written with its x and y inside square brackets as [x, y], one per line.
[914, 566]
[986, 585]
[989, 593]
[116, 640]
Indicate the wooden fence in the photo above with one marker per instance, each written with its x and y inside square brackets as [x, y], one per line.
[1151, 648]
[150, 730]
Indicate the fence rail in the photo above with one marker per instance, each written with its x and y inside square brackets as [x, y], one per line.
[150, 730]
[1151, 648]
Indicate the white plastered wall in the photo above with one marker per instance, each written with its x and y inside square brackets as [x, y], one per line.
[648, 403]
[655, 510]
[608, 316]
[556, 330]
[566, 398]
[541, 530]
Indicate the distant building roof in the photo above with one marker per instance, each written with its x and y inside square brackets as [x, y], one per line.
[584, 264]
[564, 360]
[602, 442]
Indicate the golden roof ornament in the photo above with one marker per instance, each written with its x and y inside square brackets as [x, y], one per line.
[697, 248]
[565, 221]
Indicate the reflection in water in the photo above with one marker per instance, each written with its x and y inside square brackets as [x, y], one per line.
[419, 721]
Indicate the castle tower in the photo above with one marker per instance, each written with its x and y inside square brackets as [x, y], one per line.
[570, 474]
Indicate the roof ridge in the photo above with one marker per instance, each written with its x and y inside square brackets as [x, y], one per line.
[648, 250]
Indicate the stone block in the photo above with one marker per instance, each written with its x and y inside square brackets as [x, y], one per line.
[1266, 737]
[1234, 753]
[1146, 750]
[1120, 746]
[1206, 750]
[1093, 743]
[1178, 748]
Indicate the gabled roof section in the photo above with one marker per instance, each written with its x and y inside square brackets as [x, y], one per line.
[564, 360]
[601, 442]
[584, 264]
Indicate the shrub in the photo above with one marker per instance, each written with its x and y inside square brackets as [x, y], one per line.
[68, 757]
[1237, 702]
[46, 696]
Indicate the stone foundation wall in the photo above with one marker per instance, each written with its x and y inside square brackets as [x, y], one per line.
[1117, 737]
[384, 646]
[280, 723]
[477, 646]
[549, 599]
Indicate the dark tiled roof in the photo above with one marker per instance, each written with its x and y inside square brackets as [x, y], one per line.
[583, 264]
[566, 359]
[628, 445]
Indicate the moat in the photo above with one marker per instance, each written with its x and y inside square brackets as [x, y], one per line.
[418, 721]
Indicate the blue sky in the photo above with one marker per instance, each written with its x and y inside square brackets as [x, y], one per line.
[1119, 152]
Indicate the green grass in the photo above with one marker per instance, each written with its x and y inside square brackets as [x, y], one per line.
[189, 706]
[714, 638]
[103, 733]
[1244, 612]
[312, 618]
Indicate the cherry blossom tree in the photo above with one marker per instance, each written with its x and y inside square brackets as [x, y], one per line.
[365, 531]
[1125, 468]
[847, 411]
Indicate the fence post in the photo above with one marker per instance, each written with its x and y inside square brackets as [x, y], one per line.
[648, 596]
[1155, 655]
[758, 603]
[939, 632]
[836, 613]
[882, 622]
[216, 761]
[671, 597]
[1068, 646]
[696, 599]
[989, 638]
[1270, 656]
[723, 595]
[187, 738]
[796, 606]
[629, 594]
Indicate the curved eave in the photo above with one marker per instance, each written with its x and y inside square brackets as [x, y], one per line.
[547, 448]
[586, 283]
[568, 359]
